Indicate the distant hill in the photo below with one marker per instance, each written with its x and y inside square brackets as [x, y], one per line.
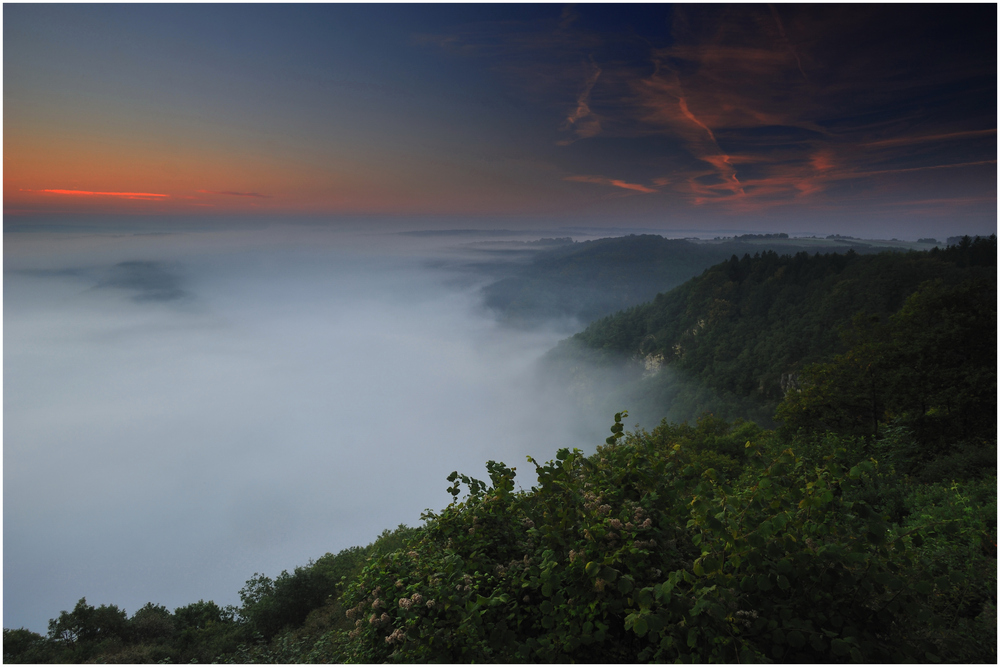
[590, 279]
[733, 340]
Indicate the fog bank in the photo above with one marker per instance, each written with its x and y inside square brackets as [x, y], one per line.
[183, 410]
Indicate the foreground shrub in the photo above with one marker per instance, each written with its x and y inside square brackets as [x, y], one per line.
[642, 553]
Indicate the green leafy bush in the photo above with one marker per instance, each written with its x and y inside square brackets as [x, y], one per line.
[641, 552]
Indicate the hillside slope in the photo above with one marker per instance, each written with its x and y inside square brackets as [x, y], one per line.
[592, 279]
[733, 340]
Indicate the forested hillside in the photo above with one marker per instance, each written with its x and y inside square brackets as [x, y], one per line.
[734, 340]
[862, 529]
[592, 279]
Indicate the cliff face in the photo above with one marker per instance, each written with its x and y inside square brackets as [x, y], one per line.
[652, 363]
[790, 382]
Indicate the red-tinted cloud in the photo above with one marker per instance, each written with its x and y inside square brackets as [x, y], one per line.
[928, 138]
[88, 193]
[235, 194]
[600, 180]
[582, 121]
[757, 107]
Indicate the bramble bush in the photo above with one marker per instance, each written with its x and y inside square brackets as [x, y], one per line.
[644, 552]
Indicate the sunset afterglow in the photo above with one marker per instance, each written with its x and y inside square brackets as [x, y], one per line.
[85, 193]
[675, 115]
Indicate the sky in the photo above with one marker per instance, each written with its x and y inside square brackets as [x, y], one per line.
[854, 119]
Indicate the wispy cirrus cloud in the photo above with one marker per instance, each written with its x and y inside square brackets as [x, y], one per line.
[736, 90]
[788, 44]
[757, 147]
[601, 180]
[582, 121]
[739, 108]
[948, 202]
[91, 193]
[231, 193]
[550, 59]
[929, 138]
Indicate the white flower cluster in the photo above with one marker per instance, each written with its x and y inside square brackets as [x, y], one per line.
[591, 500]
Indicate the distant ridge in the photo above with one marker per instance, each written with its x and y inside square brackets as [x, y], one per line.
[464, 232]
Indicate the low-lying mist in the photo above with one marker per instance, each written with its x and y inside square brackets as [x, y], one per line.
[182, 411]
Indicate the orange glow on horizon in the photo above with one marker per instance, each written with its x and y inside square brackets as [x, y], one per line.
[88, 193]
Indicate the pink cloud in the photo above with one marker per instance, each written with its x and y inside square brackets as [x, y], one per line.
[756, 107]
[235, 194]
[600, 180]
[926, 167]
[89, 193]
[903, 141]
[582, 120]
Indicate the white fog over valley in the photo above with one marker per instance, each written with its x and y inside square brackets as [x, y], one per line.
[184, 410]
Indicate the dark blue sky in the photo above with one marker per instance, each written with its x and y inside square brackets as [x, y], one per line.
[794, 117]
